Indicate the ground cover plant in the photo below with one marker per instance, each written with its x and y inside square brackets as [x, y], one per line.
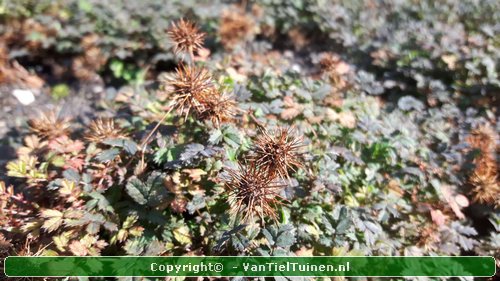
[249, 128]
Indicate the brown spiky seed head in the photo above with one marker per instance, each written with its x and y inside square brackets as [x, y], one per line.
[252, 192]
[483, 138]
[484, 177]
[278, 151]
[486, 188]
[218, 107]
[189, 87]
[186, 37]
[104, 128]
[49, 125]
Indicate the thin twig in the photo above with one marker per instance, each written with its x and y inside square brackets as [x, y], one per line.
[146, 140]
[143, 144]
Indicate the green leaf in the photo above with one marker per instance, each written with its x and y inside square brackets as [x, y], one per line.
[101, 201]
[72, 175]
[152, 193]
[286, 236]
[215, 137]
[108, 155]
[268, 236]
[157, 192]
[137, 190]
[232, 137]
[85, 6]
[161, 155]
[60, 91]
[117, 67]
[128, 145]
[197, 203]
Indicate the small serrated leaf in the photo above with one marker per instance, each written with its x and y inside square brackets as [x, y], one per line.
[286, 237]
[52, 224]
[215, 136]
[128, 145]
[268, 236]
[182, 235]
[137, 190]
[49, 213]
[72, 175]
[157, 193]
[191, 151]
[197, 203]
[108, 155]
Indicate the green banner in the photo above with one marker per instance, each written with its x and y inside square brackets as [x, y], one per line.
[249, 266]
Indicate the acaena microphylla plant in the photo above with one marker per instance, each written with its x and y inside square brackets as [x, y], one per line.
[190, 84]
[253, 192]
[278, 151]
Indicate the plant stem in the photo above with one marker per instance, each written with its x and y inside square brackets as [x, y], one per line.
[191, 55]
[144, 143]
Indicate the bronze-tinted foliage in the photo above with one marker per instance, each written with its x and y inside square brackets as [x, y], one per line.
[189, 86]
[104, 128]
[86, 66]
[252, 192]
[186, 37]
[235, 27]
[49, 125]
[178, 204]
[7, 206]
[278, 151]
[336, 69]
[485, 174]
[429, 237]
[11, 72]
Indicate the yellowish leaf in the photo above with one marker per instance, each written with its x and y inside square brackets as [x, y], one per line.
[49, 213]
[52, 224]
[195, 174]
[181, 234]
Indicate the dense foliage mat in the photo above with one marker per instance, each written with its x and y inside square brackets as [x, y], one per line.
[255, 128]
